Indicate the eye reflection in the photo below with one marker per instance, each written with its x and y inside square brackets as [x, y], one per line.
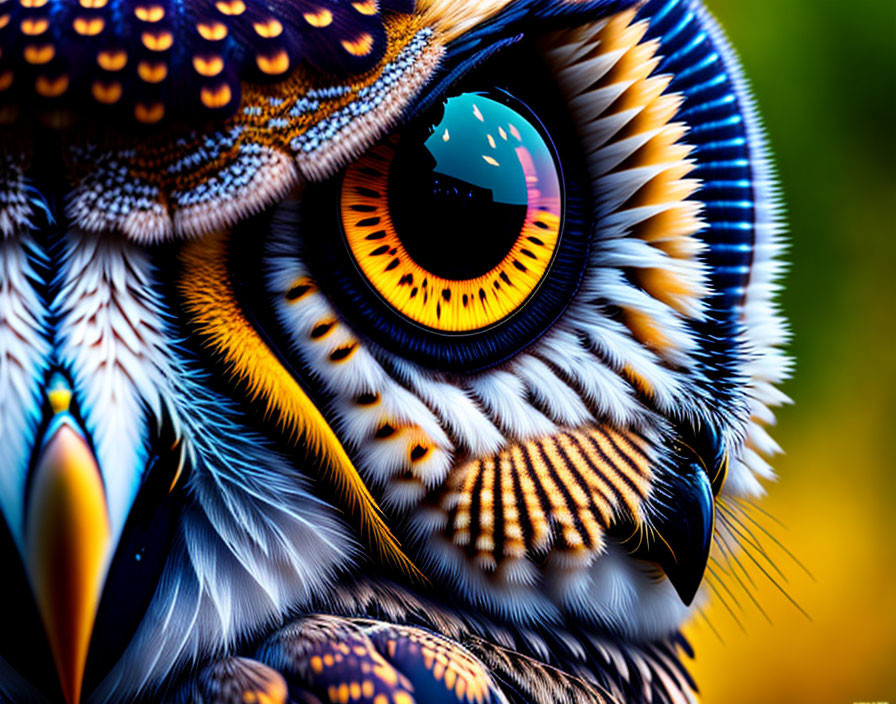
[456, 224]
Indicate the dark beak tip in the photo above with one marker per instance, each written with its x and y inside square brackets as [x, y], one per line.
[686, 528]
[686, 581]
[694, 542]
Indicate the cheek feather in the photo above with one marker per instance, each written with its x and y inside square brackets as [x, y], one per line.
[217, 318]
[627, 352]
[398, 442]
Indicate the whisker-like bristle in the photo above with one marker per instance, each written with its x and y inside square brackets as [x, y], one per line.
[708, 622]
[746, 537]
[775, 582]
[747, 590]
[724, 602]
[742, 510]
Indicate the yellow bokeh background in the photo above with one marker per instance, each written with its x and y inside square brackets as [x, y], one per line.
[824, 74]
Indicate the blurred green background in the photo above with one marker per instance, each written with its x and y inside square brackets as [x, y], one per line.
[824, 74]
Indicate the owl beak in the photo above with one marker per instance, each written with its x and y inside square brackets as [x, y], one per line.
[682, 525]
[67, 543]
[686, 532]
[680, 535]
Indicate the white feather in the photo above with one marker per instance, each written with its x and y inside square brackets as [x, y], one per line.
[111, 341]
[24, 352]
[504, 396]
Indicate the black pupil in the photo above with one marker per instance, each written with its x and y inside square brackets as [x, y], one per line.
[457, 214]
[449, 226]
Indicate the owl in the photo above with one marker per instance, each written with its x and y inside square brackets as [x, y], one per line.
[375, 351]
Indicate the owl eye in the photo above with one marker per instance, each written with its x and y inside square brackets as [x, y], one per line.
[456, 223]
[463, 236]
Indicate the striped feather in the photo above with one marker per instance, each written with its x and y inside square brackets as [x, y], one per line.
[557, 494]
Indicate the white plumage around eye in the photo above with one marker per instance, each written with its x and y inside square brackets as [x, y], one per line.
[614, 343]
[503, 394]
[404, 423]
[610, 397]
[634, 253]
[455, 406]
[610, 284]
[559, 401]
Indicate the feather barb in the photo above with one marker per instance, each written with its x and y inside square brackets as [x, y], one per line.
[212, 305]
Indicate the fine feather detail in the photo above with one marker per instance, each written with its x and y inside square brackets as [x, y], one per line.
[566, 662]
[627, 352]
[639, 169]
[110, 339]
[766, 329]
[253, 544]
[552, 496]
[543, 683]
[16, 195]
[453, 18]
[189, 182]
[214, 313]
[24, 355]
[399, 444]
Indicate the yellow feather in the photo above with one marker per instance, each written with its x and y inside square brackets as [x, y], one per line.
[210, 300]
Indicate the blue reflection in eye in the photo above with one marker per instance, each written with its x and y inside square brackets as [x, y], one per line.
[462, 190]
[473, 143]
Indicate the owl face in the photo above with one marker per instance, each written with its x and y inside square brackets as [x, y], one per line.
[456, 316]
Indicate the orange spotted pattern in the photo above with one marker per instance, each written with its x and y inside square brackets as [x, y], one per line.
[56, 54]
[188, 181]
[341, 660]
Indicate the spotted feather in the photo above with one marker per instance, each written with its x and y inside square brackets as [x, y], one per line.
[149, 61]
